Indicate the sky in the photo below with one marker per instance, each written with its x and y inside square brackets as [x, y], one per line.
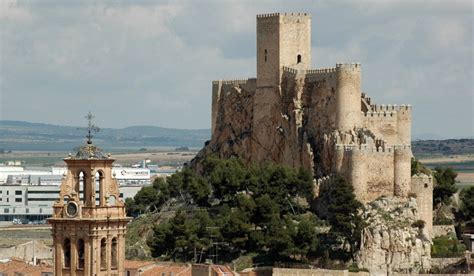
[152, 62]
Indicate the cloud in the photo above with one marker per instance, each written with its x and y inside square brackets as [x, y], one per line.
[11, 11]
[152, 62]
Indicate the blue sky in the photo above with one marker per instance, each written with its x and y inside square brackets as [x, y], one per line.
[152, 62]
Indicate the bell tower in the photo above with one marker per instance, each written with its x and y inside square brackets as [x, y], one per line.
[89, 219]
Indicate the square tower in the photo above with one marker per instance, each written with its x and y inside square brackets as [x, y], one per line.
[283, 39]
[89, 220]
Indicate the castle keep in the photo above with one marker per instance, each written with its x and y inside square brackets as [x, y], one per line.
[316, 118]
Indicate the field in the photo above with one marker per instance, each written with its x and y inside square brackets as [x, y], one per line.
[11, 235]
[462, 164]
[54, 158]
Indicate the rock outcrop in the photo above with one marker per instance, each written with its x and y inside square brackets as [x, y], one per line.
[392, 241]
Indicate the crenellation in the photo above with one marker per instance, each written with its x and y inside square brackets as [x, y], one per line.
[233, 81]
[380, 114]
[266, 15]
[321, 70]
[351, 65]
[290, 70]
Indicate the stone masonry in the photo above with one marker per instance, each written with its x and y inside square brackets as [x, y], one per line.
[314, 118]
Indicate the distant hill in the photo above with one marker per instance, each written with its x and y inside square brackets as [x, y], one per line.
[19, 135]
[444, 147]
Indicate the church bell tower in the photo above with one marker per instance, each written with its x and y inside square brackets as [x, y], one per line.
[89, 219]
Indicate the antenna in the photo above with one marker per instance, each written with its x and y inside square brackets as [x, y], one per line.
[90, 127]
[214, 245]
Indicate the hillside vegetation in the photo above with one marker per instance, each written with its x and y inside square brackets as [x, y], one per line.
[231, 210]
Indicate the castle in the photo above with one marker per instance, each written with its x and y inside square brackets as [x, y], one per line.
[316, 118]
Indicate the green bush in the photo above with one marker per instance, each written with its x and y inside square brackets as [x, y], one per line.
[354, 268]
[447, 247]
[420, 224]
[443, 221]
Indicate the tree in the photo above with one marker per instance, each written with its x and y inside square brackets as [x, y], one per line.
[256, 208]
[417, 167]
[467, 205]
[343, 215]
[445, 179]
[181, 236]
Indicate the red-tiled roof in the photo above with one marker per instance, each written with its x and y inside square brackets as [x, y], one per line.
[13, 265]
[168, 270]
[130, 264]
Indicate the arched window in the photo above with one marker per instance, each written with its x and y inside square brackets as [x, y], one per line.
[99, 178]
[298, 59]
[80, 254]
[67, 253]
[103, 254]
[111, 201]
[114, 253]
[265, 55]
[82, 186]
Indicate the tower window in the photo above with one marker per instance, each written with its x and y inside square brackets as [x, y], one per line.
[103, 254]
[298, 59]
[82, 186]
[266, 55]
[80, 254]
[67, 253]
[114, 253]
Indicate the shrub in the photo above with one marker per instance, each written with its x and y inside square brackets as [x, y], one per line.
[446, 247]
[443, 221]
[420, 224]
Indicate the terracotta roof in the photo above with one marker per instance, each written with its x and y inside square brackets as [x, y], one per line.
[130, 264]
[168, 271]
[14, 265]
[222, 270]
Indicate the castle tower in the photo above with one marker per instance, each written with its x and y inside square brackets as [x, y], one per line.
[402, 170]
[348, 107]
[89, 221]
[283, 39]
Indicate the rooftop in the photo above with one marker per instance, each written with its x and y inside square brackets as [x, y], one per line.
[15, 266]
[89, 152]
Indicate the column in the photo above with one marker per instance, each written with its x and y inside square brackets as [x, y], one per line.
[73, 254]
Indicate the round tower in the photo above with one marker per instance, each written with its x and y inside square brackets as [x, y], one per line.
[404, 125]
[402, 173]
[358, 173]
[348, 96]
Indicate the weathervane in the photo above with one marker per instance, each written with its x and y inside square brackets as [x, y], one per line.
[90, 127]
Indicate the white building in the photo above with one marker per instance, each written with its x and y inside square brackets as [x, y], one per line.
[29, 195]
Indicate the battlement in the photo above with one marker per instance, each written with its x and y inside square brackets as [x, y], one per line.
[321, 70]
[363, 147]
[290, 70]
[368, 148]
[277, 14]
[233, 81]
[422, 176]
[380, 114]
[402, 147]
[389, 107]
[352, 65]
[333, 69]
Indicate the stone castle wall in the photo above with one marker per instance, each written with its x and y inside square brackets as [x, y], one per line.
[422, 188]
